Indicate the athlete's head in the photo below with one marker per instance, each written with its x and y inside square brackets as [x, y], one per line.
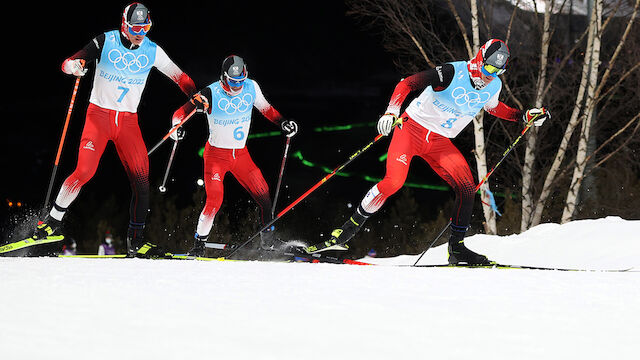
[233, 74]
[136, 22]
[490, 61]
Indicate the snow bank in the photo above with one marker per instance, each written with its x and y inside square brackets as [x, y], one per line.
[608, 243]
[140, 309]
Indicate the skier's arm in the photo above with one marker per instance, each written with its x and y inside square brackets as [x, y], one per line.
[504, 111]
[75, 65]
[199, 101]
[288, 126]
[265, 108]
[499, 109]
[438, 78]
[166, 66]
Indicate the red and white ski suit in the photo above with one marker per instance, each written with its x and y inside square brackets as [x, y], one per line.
[112, 116]
[229, 120]
[414, 139]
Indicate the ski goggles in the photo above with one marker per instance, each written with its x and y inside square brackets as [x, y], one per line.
[235, 81]
[141, 29]
[490, 70]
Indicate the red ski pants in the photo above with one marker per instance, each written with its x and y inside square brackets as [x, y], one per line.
[101, 126]
[217, 162]
[443, 157]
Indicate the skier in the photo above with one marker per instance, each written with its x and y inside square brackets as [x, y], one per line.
[228, 104]
[451, 96]
[124, 59]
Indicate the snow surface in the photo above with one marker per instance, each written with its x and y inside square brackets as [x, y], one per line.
[139, 309]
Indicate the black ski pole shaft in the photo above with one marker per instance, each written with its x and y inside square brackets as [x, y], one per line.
[507, 151]
[303, 196]
[162, 187]
[60, 145]
[284, 161]
[433, 242]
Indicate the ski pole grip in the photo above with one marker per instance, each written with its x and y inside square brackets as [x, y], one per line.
[397, 122]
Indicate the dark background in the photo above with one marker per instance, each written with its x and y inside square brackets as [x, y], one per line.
[314, 63]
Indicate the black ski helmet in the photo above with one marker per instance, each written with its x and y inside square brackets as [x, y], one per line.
[496, 54]
[135, 14]
[234, 70]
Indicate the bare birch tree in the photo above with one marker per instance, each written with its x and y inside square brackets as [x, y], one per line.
[566, 76]
[478, 132]
[530, 155]
[575, 119]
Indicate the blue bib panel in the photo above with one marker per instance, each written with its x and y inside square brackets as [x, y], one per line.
[230, 117]
[121, 73]
[449, 111]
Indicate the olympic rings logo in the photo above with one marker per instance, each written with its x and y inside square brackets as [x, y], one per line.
[462, 97]
[128, 60]
[236, 104]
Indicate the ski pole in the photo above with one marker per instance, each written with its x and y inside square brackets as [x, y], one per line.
[64, 134]
[433, 242]
[173, 129]
[284, 160]
[312, 189]
[506, 152]
[162, 187]
[504, 155]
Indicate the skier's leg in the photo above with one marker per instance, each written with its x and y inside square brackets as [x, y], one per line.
[216, 165]
[133, 155]
[93, 141]
[447, 161]
[250, 177]
[402, 148]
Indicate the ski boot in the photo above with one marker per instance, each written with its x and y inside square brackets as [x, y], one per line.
[459, 254]
[340, 237]
[198, 249]
[137, 247]
[48, 229]
[268, 239]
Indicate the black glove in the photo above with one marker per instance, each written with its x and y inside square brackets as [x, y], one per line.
[289, 127]
[201, 102]
[178, 134]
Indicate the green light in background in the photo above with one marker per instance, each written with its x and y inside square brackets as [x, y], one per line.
[265, 134]
[317, 129]
[298, 155]
[343, 127]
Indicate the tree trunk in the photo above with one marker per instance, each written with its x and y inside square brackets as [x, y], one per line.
[490, 226]
[581, 156]
[564, 143]
[530, 155]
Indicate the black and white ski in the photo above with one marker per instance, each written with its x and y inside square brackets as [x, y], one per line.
[522, 267]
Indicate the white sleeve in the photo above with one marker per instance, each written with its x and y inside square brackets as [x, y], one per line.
[493, 102]
[101, 250]
[166, 66]
[260, 102]
[264, 107]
